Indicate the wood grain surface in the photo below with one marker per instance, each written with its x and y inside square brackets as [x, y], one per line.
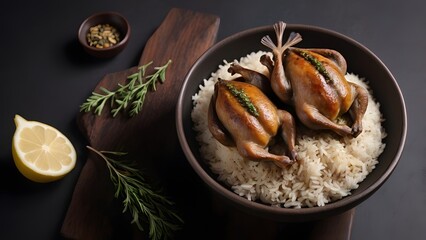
[149, 138]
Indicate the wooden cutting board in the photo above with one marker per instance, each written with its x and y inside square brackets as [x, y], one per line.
[149, 138]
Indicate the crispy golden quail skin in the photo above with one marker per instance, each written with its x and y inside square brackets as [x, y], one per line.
[313, 81]
[241, 115]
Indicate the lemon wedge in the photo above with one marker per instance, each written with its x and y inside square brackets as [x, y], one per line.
[40, 152]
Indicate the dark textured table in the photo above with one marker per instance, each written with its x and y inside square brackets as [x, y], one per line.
[46, 75]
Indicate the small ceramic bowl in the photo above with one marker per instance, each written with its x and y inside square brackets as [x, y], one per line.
[360, 60]
[115, 20]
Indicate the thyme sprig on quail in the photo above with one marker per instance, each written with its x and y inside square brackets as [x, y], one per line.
[144, 204]
[131, 95]
[243, 99]
[316, 63]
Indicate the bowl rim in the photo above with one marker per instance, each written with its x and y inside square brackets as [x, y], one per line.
[82, 38]
[344, 203]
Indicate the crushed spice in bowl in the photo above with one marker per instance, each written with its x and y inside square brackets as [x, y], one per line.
[104, 35]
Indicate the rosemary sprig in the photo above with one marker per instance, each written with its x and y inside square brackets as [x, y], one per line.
[144, 204]
[130, 95]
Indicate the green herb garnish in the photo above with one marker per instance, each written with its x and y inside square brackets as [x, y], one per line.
[243, 99]
[132, 94]
[144, 204]
[316, 63]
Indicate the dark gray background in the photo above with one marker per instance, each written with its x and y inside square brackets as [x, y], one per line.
[45, 75]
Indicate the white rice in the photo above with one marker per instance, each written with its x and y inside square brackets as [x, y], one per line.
[327, 170]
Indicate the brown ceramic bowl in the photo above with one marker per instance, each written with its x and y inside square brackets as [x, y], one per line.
[114, 19]
[360, 60]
